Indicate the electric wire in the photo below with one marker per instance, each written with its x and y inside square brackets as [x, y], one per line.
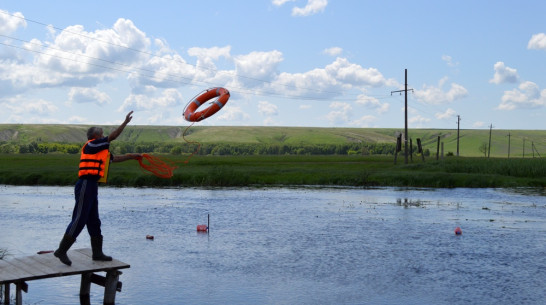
[190, 81]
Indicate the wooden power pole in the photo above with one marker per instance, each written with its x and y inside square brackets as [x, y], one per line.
[405, 114]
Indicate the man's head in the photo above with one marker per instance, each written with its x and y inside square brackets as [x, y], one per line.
[94, 133]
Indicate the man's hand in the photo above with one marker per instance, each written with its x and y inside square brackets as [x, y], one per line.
[114, 134]
[128, 117]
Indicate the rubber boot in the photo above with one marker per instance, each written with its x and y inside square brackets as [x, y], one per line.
[65, 244]
[96, 246]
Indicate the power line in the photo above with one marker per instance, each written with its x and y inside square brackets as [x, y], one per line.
[320, 91]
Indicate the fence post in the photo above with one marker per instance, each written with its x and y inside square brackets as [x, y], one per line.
[438, 149]
[398, 147]
[420, 149]
[411, 150]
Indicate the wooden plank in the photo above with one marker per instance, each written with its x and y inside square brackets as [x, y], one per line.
[10, 272]
[22, 264]
[47, 265]
[51, 262]
[116, 264]
[86, 251]
[33, 266]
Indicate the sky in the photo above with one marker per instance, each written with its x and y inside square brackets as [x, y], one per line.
[297, 63]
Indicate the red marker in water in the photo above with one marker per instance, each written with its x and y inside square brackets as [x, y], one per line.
[458, 231]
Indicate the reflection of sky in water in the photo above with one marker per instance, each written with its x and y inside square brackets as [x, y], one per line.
[297, 245]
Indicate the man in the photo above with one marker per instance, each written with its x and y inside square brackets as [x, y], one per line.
[94, 157]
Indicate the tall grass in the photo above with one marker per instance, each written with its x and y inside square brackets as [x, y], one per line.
[506, 167]
[352, 170]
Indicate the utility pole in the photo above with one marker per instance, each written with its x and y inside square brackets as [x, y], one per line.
[458, 125]
[489, 148]
[405, 114]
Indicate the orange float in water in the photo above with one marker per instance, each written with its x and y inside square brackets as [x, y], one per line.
[458, 231]
[202, 228]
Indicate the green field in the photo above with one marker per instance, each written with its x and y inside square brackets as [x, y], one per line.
[288, 170]
[533, 142]
[223, 160]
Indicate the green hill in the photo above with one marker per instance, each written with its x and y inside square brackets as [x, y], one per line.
[471, 140]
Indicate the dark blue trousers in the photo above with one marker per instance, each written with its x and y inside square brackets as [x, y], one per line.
[86, 209]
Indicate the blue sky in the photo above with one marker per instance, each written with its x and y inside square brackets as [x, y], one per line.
[318, 63]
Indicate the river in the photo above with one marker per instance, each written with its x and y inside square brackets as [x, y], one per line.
[304, 245]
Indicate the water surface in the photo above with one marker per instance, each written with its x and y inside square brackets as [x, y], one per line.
[296, 245]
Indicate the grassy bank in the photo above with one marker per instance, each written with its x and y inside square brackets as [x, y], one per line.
[353, 170]
[523, 143]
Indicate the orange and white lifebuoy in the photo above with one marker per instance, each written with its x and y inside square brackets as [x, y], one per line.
[190, 113]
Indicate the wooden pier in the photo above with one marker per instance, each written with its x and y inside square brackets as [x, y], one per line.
[19, 271]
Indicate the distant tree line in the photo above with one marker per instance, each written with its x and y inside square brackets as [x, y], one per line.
[209, 148]
[39, 148]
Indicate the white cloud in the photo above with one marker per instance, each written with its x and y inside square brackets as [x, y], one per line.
[92, 54]
[233, 114]
[10, 22]
[257, 67]
[504, 74]
[364, 121]
[38, 107]
[527, 95]
[305, 106]
[435, 95]
[169, 98]
[269, 121]
[166, 71]
[333, 51]
[88, 95]
[449, 60]
[78, 120]
[372, 102]
[418, 120]
[267, 109]
[537, 42]
[478, 124]
[312, 7]
[281, 2]
[76, 57]
[449, 113]
[206, 58]
[329, 82]
[355, 74]
[341, 113]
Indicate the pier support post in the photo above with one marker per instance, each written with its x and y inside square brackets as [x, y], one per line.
[111, 286]
[19, 288]
[6, 293]
[85, 288]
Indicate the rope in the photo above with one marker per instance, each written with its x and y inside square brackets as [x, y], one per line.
[164, 167]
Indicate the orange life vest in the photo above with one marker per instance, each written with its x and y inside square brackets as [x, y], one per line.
[93, 164]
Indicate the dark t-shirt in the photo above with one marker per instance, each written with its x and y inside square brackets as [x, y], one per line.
[97, 145]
